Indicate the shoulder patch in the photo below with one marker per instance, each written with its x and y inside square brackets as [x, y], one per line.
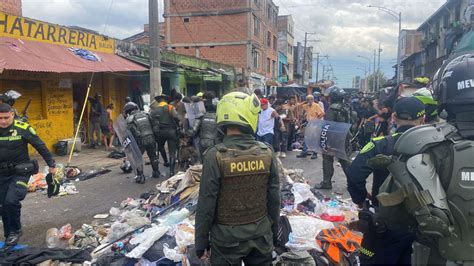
[32, 130]
[367, 147]
[21, 125]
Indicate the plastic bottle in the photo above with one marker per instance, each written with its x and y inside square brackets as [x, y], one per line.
[333, 213]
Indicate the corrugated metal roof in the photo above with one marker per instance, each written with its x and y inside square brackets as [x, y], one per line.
[44, 57]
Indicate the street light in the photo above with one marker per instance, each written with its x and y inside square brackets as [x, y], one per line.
[397, 15]
[366, 58]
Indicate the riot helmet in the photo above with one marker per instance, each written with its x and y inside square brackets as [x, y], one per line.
[336, 94]
[454, 87]
[238, 109]
[129, 108]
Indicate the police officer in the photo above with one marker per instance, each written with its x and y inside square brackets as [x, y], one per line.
[206, 125]
[164, 120]
[381, 245]
[239, 197]
[431, 105]
[338, 112]
[433, 176]
[16, 169]
[138, 122]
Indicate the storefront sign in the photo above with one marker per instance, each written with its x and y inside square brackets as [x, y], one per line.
[34, 30]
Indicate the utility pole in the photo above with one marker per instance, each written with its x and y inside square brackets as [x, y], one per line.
[375, 73]
[378, 70]
[318, 57]
[155, 56]
[305, 54]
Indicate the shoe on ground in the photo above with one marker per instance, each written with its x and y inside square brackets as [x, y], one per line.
[314, 156]
[166, 164]
[302, 155]
[278, 154]
[156, 174]
[282, 155]
[13, 238]
[323, 185]
[140, 179]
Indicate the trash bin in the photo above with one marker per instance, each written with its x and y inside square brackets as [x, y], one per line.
[61, 148]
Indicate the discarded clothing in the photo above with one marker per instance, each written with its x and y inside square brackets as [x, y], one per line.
[337, 241]
[37, 255]
[156, 251]
[116, 155]
[92, 173]
[294, 258]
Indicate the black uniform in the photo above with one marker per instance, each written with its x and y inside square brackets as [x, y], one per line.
[337, 112]
[139, 124]
[164, 119]
[206, 128]
[14, 177]
[379, 245]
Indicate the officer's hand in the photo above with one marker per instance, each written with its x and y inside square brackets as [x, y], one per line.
[360, 205]
[206, 255]
[52, 170]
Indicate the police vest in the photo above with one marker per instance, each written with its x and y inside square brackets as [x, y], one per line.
[140, 126]
[164, 116]
[433, 189]
[208, 130]
[242, 197]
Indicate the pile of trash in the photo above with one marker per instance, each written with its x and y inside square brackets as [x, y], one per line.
[158, 227]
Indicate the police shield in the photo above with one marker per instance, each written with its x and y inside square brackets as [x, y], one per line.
[329, 137]
[128, 142]
[194, 110]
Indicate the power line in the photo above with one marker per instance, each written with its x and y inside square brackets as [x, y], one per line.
[108, 16]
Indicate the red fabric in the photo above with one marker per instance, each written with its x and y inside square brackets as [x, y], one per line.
[263, 101]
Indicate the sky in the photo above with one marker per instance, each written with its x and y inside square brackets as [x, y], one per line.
[345, 29]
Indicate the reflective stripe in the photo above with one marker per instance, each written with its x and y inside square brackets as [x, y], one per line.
[21, 125]
[21, 183]
[10, 138]
[366, 252]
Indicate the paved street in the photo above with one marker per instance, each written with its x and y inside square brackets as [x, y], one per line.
[99, 194]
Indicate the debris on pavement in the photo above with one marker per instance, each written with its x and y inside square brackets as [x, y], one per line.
[159, 227]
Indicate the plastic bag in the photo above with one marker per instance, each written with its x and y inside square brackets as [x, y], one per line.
[117, 231]
[172, 254]
[184, 235]
[304, 232]
[65, 232]
[302, 192]
[333, 213]
[145, 240]
[174, 217]
[53, 240]
[114, 211]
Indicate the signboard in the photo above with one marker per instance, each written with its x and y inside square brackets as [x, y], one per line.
[34, 30]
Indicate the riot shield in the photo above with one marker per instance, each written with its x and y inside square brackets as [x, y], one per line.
[193, 110]
[329, 137]
[129, 144]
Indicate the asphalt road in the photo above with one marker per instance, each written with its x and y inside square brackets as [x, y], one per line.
[99, 194]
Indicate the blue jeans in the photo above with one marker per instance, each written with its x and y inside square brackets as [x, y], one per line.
[267, 138]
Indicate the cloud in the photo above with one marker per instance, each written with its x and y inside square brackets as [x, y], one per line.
[345, 28]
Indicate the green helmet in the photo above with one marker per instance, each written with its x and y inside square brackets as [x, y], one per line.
[238, 108]
[426, 97]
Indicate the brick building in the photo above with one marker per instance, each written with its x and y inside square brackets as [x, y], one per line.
[144, 36]
[11, 7]
[235, 32]
[286, 41]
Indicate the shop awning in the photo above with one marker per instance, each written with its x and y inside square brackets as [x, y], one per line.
[44, 57]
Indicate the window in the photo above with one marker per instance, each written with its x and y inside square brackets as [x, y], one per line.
[255, 56]
[269, 39]
[186, 47]
[275, 43]
[290, 49]
[256, 26]
[268, 65]
[186, 20]
[274, 65]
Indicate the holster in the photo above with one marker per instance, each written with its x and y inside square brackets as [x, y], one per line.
[26, 169]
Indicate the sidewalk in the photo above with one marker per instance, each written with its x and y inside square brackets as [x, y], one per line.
[87, 159]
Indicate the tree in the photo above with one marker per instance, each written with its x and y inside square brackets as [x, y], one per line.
[373, 78]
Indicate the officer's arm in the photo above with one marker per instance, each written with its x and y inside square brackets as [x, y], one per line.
[358, 172]
[330, 115]
[206, 208]
[196, 126]
[273, 204]
[38, 144]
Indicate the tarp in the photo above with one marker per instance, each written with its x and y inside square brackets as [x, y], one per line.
[328, 137]
[289, 91]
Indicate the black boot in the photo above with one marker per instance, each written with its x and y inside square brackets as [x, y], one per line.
[302, 155]
[13, 238]
[156, 171]
[172, 166]
[324, 185]
[140, 178]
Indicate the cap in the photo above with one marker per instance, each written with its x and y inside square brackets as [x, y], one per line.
[199, 94]
[263, 101]
[409, 108]
[162, 96]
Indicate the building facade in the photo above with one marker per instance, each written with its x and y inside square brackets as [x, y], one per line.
[440, 32]
[286, 42]
[12, 7]
[239, 33]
